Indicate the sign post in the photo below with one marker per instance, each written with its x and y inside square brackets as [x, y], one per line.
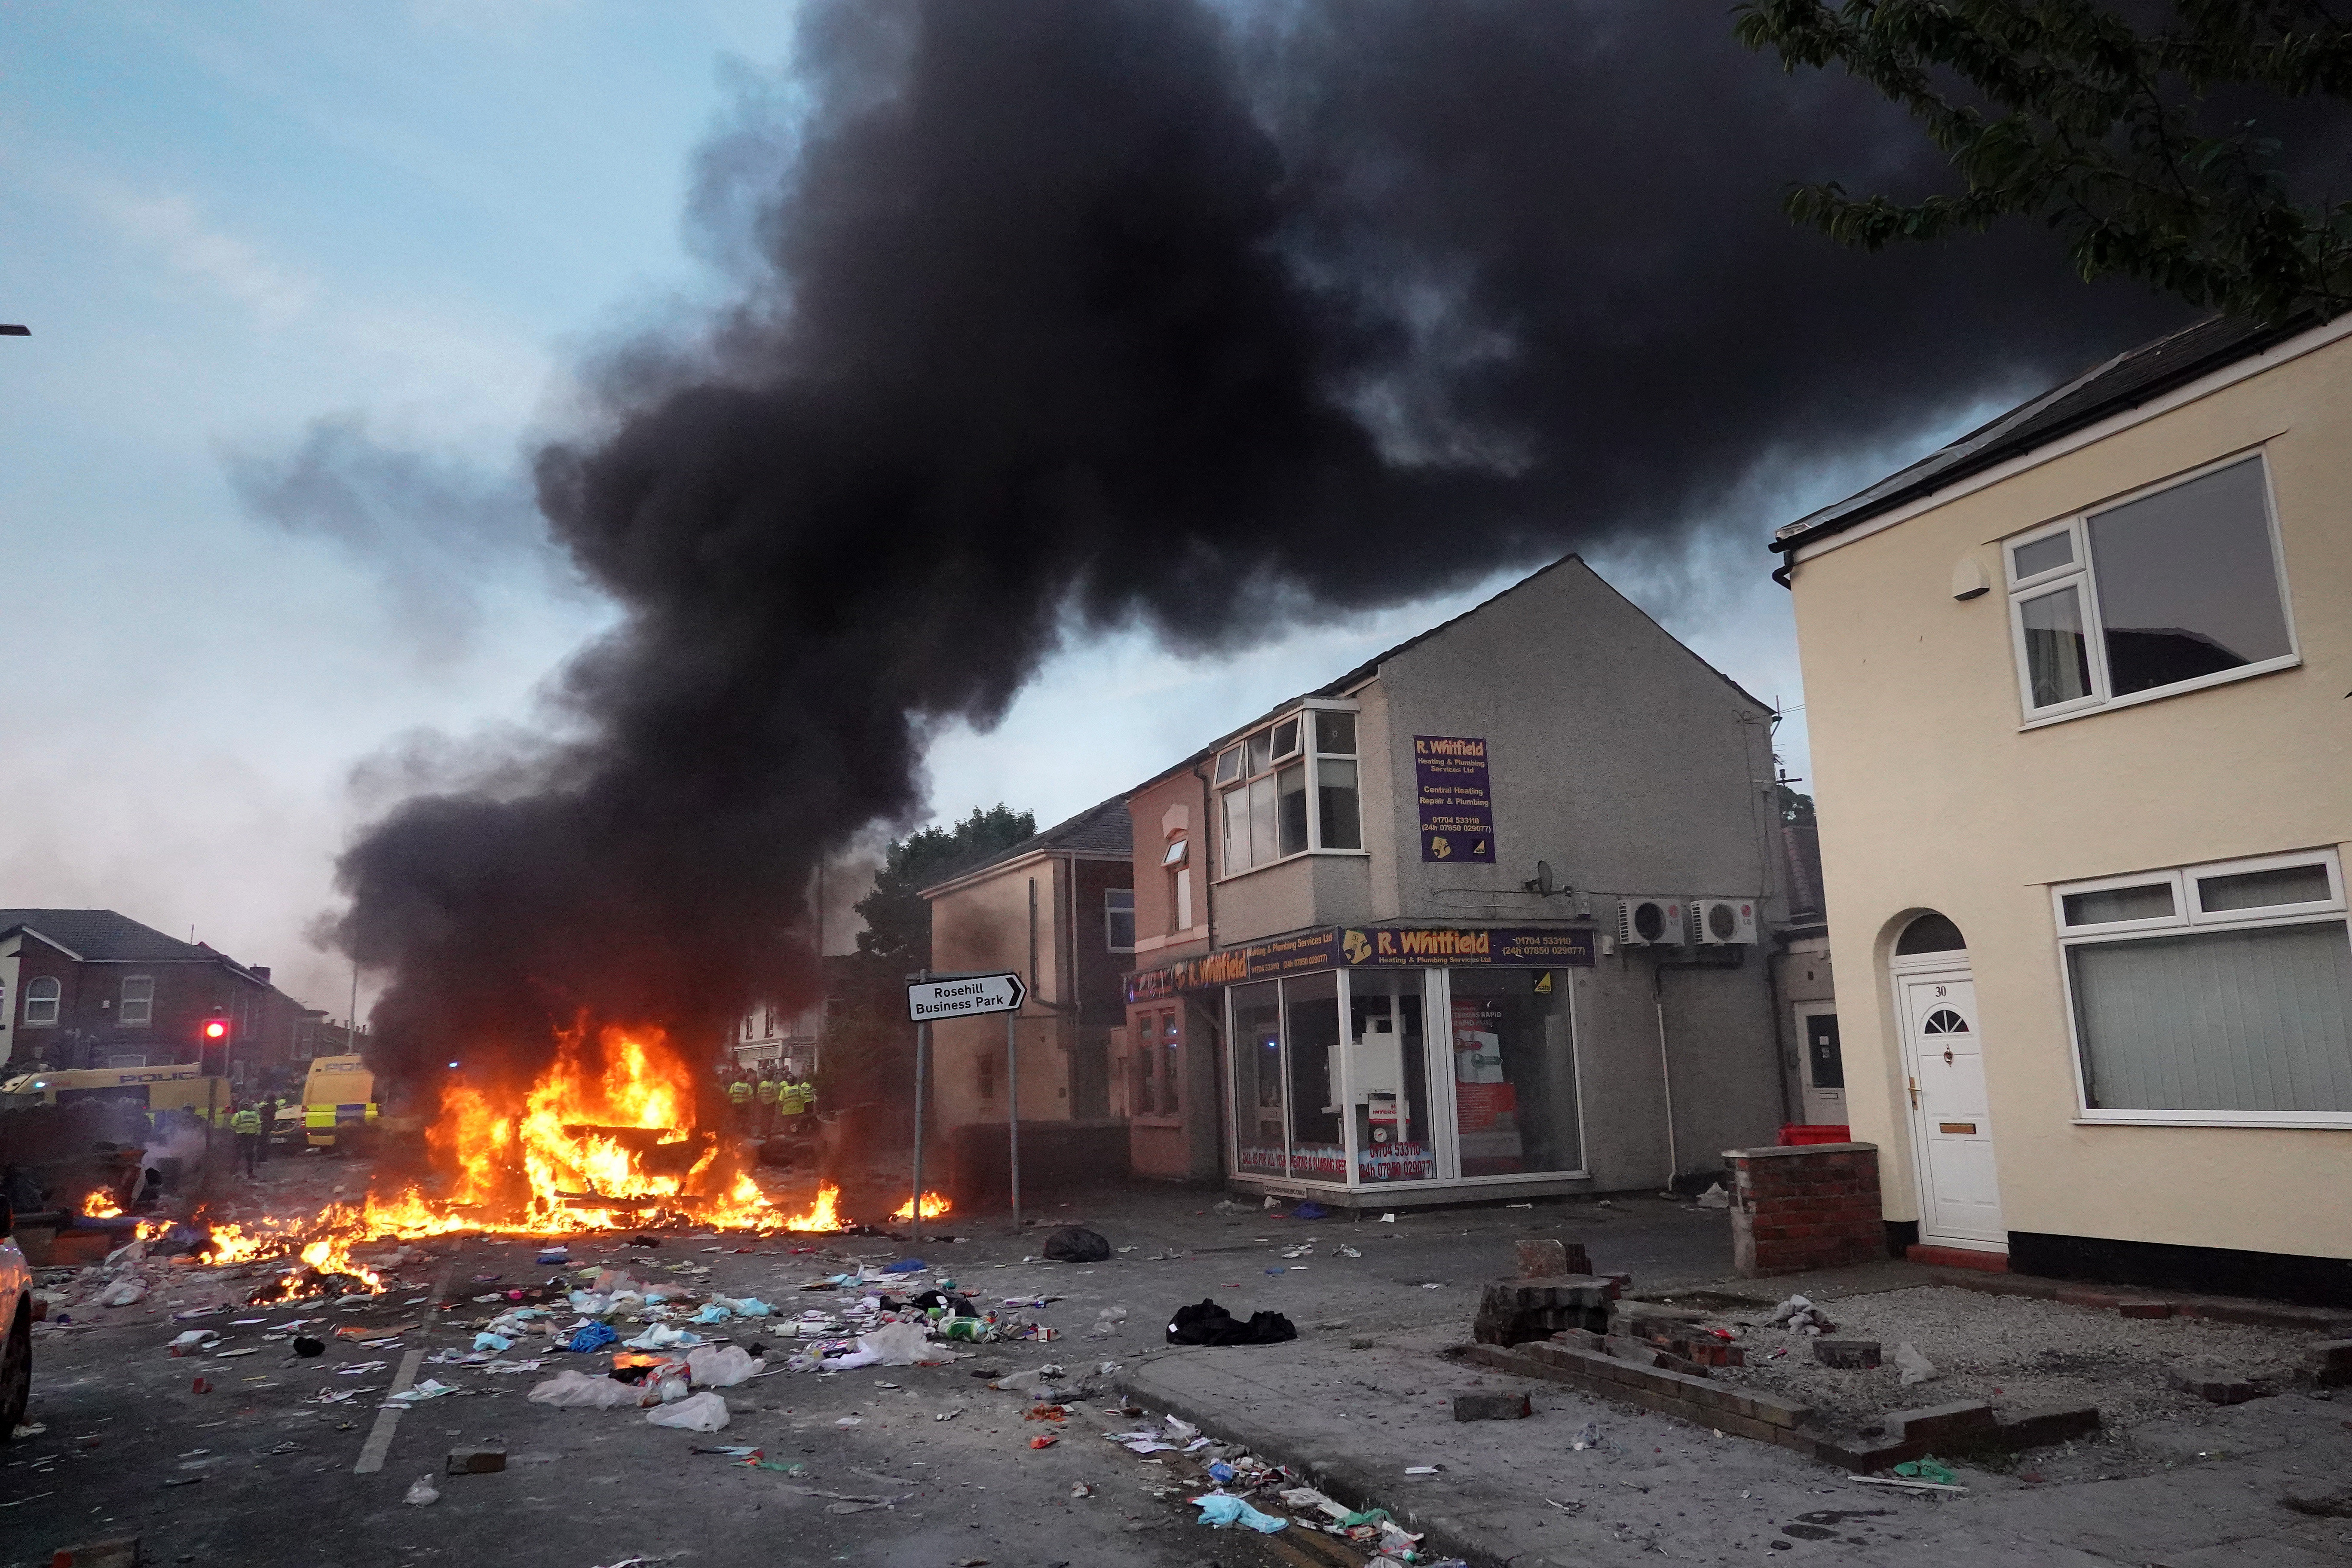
[1012, 1122]
[933, 996]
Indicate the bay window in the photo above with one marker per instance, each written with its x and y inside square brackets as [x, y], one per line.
[2164, 592]
[1288, 789]
[2217, 994]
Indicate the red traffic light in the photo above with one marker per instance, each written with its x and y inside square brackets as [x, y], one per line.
[216, 1028]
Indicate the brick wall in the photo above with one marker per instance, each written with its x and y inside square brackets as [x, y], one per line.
[1807, 1207]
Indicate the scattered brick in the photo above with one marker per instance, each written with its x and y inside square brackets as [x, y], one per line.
[1492, 1407]
[2329, 1363]
[1854, 1355]
[1514, 1311]
[119, 1551]
[2212, 1383]
[481, 1459]
[2147, 1308]
[1542, 1260]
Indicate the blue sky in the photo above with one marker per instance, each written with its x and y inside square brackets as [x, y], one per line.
[227, 224]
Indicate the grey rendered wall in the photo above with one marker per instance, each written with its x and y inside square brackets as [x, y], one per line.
[1616, 755]
[1630, 767]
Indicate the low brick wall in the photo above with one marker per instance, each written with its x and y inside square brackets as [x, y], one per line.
[1810, 1206]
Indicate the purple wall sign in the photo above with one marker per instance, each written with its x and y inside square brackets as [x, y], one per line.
[1457, 811]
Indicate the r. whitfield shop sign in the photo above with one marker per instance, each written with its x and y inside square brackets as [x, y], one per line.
[1373, 947]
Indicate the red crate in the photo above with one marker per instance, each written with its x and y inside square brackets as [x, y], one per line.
[1794, 1134]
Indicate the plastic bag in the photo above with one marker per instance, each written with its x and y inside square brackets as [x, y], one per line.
[421, 1491]
[123, 1292]
[1221, 1509]
[703, 1413]
[1715, 1197]
[721, 1367]
[896, 1344]
[743, 1306]
[1915, 1367]
[594, 1336]
[1024, 1383]
[586, 1390]
[1077, 1244]
[662, 1337]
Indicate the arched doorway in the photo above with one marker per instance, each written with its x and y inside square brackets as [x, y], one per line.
[1943, 1064]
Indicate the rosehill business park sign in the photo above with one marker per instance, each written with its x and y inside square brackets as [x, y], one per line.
[965, 997]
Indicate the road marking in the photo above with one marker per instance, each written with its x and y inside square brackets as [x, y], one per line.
[387, 1420]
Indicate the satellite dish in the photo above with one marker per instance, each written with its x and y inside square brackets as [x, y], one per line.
[1542, 884]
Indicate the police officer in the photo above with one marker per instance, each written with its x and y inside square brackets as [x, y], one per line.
[767, 1097]
[739, 1096]
[246, 1122]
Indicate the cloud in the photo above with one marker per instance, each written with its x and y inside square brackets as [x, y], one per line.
[438, 532]
[278, 296]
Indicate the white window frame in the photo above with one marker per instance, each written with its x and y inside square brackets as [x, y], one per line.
[122, 1004]
[2187, 917]
[2082, 575]
[55, 1001]
[1306, 757]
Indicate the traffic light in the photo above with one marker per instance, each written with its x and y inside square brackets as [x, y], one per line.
[213, 1035]
[216, 1031]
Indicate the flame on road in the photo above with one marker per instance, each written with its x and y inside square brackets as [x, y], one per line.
[824, 1215]
[934, 1205]
[605, 1139]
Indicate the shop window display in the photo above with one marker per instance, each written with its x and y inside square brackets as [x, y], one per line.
[1261, 1136]
[1388, 1070]
[1514, 1073]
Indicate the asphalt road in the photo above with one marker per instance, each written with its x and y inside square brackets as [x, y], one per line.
[254, 1473]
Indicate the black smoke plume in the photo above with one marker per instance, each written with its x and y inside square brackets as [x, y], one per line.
[1105, 313]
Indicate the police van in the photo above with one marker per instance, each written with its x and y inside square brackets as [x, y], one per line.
[339, 1109]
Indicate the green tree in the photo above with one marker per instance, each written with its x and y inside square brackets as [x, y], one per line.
[2064, 111]
[869, 1043]
[1796, 807]
[897, 921]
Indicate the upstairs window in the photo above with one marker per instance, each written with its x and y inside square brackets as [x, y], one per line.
[1119, 919]
[137, 1006]
[2166, 591]
[41, 994]
[1290, 788]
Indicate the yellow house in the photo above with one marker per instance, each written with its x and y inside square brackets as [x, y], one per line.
[2080, 687]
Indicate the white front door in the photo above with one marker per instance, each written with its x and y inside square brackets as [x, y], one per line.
[1958, 1193]
[1824, 1064]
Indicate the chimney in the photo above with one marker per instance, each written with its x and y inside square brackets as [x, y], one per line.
[259, 972]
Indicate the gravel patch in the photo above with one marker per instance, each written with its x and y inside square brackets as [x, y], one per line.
[2011, 1351]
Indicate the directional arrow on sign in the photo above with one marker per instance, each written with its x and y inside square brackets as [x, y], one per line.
[964, 997]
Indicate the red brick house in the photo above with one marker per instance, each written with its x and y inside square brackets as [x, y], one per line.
[91, 988]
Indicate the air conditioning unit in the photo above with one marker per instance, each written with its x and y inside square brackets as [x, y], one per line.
[1723, 922]
[1650, 922]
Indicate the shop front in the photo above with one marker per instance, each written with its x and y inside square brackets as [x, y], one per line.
[1391, 1064]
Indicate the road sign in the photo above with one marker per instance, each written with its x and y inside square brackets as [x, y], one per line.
[965, 997]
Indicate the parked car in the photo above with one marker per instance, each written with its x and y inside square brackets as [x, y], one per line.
[17, 1311]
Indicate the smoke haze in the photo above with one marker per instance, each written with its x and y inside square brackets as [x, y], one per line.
[1062, 314]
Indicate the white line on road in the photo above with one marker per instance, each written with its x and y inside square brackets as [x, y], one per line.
[387, 1420]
